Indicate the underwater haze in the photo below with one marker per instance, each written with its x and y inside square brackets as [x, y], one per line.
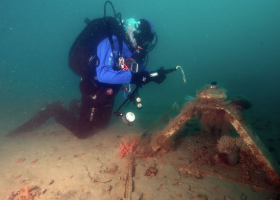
[235, 43]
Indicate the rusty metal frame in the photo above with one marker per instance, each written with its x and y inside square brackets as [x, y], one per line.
[212, 97]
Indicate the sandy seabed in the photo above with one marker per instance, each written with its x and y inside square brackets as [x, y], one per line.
[51, 163]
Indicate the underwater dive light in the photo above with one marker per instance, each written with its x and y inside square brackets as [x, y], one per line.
[138, 102]
[128, 118]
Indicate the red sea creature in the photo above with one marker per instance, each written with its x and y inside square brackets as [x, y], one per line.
[125, 148]
[20, 160]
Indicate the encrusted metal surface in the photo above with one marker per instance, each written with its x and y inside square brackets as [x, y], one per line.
[234, 116]
[211, 92]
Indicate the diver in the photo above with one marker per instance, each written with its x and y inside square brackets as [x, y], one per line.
[107, 53]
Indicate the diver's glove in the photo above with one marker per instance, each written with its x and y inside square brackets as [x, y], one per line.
[141, 78]
[144, 77]
[159, 75]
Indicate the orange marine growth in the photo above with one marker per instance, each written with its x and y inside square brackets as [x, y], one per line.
[125, 148]
[27, 192]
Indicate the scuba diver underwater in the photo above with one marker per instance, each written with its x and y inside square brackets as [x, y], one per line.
[108, 53]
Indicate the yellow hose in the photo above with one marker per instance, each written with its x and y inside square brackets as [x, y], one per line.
[184, 78]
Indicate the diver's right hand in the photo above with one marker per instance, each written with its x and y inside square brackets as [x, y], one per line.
[140, 78]
[160, 76]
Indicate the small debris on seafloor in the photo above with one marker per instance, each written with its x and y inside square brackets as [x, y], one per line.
[107, 189]
[58, 158]
[198, 176]
[16, 176]
[101, 180]
[202, 197]
[41, 134]
[111, 169]
[100, 145]
[34, 161]
[20, 160]
[152, 171]
[103, 169]
[51, 182]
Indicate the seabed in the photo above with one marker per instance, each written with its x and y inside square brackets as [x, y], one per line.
[182, 160]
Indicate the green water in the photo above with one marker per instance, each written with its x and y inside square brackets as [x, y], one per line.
[235, 43]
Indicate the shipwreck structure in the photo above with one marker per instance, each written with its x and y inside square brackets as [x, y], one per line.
[212, 102]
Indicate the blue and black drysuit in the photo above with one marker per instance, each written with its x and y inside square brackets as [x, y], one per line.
[98, 92]
[106, 71]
